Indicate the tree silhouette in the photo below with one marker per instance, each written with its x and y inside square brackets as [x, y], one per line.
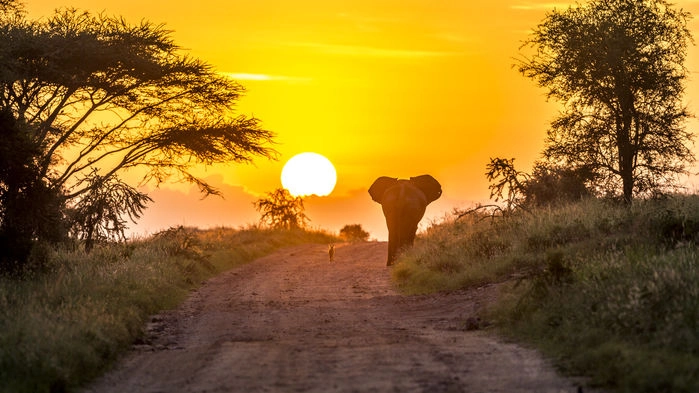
[281, 210]
[353, 233]
[547, 184]
[95, 96]
[506, 183]
[617, 66]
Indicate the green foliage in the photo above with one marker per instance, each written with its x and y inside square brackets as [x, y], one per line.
[63, 326]
[281, 210]
[354, 233]
[607, 290]
[635, 310]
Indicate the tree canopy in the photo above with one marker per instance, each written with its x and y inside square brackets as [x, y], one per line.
[618, 68]
[91, 96]
[281, 210]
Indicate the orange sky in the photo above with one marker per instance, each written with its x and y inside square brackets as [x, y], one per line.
[380, 87]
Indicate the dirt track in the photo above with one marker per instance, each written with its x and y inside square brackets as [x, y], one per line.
[294, 322]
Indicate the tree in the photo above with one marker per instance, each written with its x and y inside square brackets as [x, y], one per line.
[92, 96]
[550, 184]
[547, 184]
[281, 210]
[617, 66]
[507, 183]
[28, 208]
[354, 232]
[9, 7]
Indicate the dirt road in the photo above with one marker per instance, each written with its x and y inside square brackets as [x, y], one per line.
[294, 322]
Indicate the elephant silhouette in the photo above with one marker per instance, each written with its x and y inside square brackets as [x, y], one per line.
[403, 202]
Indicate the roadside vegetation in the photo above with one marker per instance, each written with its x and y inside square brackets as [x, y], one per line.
[608, 291]
[595, 249]
[63, 325]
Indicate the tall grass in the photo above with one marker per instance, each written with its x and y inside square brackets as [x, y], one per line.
[608, 291]
[62, 327]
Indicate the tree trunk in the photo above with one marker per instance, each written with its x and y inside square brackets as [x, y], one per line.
[626, 153]
[625, 147]
[627, 179]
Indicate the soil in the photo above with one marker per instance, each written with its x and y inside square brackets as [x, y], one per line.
[296, 322]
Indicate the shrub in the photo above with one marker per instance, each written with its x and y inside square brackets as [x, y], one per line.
[354, 233]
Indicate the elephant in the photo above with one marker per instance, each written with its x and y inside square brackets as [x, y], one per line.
[403, 203]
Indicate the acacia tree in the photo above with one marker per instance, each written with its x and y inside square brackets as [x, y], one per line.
[93, 96]
[281, 210]
[617, 66]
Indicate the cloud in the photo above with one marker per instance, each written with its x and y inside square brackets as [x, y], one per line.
[365, 23]
[368, 51]
[178, 207]
[453, 38]
[244, 76]
[174, 207]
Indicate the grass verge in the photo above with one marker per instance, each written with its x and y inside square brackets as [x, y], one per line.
[63, 327]
[607, 291]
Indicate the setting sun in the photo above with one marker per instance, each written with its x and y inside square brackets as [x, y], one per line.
[247, 196]
[309, 174]
[381, 88]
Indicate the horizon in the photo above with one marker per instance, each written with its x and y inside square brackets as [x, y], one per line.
[434, 82]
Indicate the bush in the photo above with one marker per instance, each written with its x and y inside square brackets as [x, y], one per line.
[551, 184]
[354, 233]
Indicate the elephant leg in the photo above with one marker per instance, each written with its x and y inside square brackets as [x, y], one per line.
[400, 238]
[392, 248]
[406, 238]
[409, 237]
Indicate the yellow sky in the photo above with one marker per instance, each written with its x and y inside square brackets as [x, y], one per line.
[380, 87]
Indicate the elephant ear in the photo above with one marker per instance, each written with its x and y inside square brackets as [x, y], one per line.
[429, 186]
[380, 186]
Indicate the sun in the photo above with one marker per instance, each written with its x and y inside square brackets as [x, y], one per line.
[307, 174]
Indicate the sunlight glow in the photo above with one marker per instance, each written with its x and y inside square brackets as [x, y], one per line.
[243, 76]
[309, 173]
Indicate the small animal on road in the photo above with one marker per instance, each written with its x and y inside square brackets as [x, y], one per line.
[331, 252]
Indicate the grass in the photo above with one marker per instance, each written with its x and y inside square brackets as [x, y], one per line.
[64, 326]
[607, 291]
